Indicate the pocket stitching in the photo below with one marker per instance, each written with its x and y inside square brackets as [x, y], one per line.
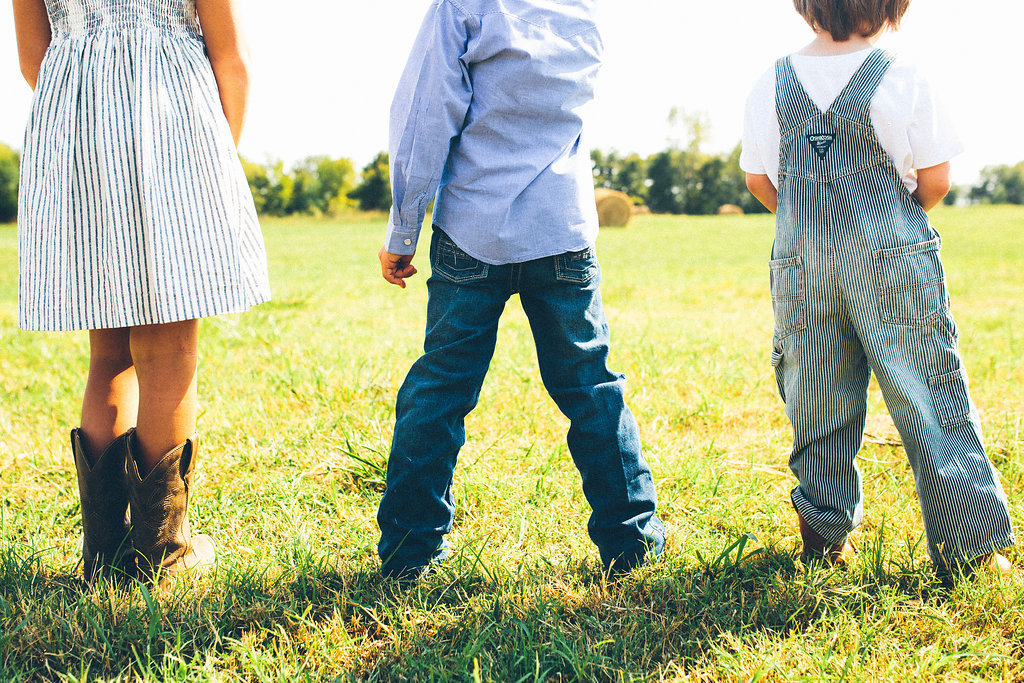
[883, 260]
[575, 275]
[943, 408]
[798, 297]
[446, 247]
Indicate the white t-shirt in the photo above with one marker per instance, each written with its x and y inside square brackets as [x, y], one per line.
[910, 124]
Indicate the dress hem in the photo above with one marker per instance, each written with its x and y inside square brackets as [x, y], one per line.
[227, 310]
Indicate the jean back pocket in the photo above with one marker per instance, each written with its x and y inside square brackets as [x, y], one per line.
[577, 267]
[453, 264]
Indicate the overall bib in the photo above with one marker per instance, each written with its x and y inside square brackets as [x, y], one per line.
[857, 286]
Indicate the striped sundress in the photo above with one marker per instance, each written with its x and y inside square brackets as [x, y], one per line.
[133, 207]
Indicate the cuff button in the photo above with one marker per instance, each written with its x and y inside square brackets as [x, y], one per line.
[407, 242]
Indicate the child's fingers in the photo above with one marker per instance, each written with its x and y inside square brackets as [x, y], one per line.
[396, 268]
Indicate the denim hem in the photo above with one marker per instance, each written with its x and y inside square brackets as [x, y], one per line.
[977, 551]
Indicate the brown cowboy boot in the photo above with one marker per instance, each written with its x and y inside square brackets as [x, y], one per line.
[818, 549]
[103, 492]
[164, 543]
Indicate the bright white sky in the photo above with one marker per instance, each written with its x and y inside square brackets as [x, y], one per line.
[325, 71]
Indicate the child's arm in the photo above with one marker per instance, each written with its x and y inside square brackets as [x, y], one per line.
[32, 28]
[427, 113]
[933, 184]
[760, 185]
[229, 58]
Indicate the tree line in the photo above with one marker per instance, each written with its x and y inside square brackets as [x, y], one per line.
[319, 185]
[678, 180]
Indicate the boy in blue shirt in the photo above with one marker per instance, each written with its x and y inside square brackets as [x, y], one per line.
[488, 117]
[847, 145]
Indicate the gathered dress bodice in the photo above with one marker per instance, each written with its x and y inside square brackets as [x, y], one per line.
[78, 18]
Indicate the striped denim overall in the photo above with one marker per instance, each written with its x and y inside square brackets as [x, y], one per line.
[857, 286]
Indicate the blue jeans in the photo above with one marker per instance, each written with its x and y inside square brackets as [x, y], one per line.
[561, 298]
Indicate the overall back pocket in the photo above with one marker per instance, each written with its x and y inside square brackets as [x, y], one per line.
[911, 283]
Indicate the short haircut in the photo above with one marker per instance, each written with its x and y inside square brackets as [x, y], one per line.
[843, 18]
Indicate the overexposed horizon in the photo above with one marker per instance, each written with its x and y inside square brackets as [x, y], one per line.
[324, 72]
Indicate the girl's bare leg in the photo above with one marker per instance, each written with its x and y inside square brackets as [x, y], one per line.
[111, 401]
[166, 359]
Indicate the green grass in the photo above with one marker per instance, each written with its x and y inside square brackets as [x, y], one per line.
[297, 411]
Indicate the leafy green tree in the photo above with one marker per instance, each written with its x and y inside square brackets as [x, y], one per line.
[260, 184]
[336, 179]
[680, 176]
[665, 191]
[9, 168]
[626, 174]
[320, 185]
[374, 190]
[1000, 185]
[632, 177]
[604, 168]
[305, 188]
[281, 190]
[270, 185]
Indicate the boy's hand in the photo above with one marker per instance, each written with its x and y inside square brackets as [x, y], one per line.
[396, 267]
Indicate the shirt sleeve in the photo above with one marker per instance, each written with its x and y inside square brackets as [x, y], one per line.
[750, 159]
[760, 144]
[932, 133]
[427, 113]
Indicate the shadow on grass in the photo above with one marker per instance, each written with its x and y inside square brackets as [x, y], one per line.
[579, 626]
[466, 621]
[54, 627]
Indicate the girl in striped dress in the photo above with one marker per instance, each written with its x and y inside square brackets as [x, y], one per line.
[135, 220]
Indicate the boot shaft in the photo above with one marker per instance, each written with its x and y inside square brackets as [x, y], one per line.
[160, 531]
[103, 492]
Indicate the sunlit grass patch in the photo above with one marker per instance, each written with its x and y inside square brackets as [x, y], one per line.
[297, 412]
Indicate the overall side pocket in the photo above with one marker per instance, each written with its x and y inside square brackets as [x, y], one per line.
[788, 300]
[951, 397]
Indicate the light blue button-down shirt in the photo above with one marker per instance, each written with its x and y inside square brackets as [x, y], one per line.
[489, 116]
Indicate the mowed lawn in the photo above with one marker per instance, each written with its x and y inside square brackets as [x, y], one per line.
[297, 411]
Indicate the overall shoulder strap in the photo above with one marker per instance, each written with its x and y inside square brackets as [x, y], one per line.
[792, 104]
[854, 102]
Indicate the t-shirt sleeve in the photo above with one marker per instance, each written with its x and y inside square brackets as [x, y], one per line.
[750, 160]
[932, 133]
[759, 121]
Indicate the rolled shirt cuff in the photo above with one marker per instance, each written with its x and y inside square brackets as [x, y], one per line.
[401, 239]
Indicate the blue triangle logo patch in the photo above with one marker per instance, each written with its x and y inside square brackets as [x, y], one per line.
[821, 143]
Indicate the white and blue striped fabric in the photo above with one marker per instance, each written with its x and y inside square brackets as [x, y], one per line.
[133, 207]
[858, 287]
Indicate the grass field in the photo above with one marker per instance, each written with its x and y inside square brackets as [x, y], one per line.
[296, 420]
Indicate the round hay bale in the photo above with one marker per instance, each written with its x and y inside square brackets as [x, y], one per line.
[614, 209]
[729, 210]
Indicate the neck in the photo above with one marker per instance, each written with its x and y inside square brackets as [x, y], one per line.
[824, 45]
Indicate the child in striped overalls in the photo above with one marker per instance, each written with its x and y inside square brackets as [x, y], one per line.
[846, 145]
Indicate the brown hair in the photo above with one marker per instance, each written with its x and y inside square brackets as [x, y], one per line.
[842, 18]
